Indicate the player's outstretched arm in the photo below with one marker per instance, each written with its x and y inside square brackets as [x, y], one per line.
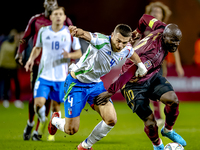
[77, 32]
[34, 54]
[104, 97]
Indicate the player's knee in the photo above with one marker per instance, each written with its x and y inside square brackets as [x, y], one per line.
[71, 131]
[150, 123]
[173, 99]
[111, 121]
[38, 104]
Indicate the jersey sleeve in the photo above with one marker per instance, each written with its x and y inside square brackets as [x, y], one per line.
[68, 22]
[147, 62]
[149, 21]
[76, 44]
[130, 50]
[123, 79]
[39, 38]
[29, 32]
[98, 40]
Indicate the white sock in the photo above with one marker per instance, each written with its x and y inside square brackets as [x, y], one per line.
[166, 130]
[100, 131]
[60, 114]
[41, 113]
[59, 123]
[31, 124]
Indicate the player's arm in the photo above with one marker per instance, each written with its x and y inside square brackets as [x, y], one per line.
[35, 51]
[29, 32]
[179, 68]
[149, 21]
[76, 46]
[141, 71]
[73, 55]
[104, 97]
[77, 32]
[34, 54]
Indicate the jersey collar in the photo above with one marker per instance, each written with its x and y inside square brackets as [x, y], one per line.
[60, 29]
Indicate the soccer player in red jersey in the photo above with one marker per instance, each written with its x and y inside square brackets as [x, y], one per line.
[162, 12]
[137, 91]
[34, 24]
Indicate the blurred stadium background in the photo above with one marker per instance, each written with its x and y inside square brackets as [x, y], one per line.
[102, 16]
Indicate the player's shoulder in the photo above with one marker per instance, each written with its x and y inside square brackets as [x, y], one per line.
[45, 28]
[37, 16]
[100, 36]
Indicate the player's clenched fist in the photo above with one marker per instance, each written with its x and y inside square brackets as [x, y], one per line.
[74, 31]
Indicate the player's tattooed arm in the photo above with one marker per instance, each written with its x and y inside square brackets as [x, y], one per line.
[80, 33]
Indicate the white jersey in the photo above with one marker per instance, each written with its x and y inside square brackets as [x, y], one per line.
[53, 66]
[99, 59]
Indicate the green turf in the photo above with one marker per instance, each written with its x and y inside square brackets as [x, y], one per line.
[128, 134]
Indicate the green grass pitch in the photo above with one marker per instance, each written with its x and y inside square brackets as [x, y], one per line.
[128, 134]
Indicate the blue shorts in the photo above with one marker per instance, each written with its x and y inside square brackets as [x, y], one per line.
[53, 90]
[78, 93]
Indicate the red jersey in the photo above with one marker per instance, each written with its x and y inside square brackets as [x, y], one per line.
[34, 24]
[150, 51]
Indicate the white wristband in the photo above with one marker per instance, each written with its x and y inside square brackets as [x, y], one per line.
[140, 64]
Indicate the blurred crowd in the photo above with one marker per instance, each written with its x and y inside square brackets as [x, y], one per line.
[9, 67]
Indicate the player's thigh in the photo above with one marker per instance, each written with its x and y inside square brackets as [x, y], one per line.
[137, 99]
[55, 106]
[57, 92]
[41, 89]
[169, 97]
[161, 89]
[94, 92]
[74, 103]
[39, 101]
[107, 112]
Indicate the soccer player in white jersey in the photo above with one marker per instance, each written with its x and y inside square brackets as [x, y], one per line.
[83, 83]
[56, 43]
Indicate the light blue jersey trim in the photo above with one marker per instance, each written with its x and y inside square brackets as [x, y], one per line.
[60, 29]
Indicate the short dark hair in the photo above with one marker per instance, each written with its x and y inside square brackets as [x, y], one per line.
[124, 30]
[58, 7]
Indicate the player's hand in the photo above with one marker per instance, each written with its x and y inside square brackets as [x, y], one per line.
[29, 65]
[102, 98]
[141, 71]
[18, 58]
[135, 35]
[65, 54]
[73, 30]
